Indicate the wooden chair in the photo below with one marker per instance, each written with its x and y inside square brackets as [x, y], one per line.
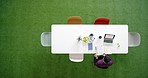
[74, 20]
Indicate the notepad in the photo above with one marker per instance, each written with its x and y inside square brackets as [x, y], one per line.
[99, 50]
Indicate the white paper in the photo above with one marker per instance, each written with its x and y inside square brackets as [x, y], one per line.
[99, 50]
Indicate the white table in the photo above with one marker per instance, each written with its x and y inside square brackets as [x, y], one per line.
[64, 38]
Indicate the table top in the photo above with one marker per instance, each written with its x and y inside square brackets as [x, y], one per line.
[65, 38]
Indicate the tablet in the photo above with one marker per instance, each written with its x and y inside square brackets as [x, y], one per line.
[90, 46]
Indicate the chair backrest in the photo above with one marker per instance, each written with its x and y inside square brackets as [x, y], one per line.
[76, 57]
[133, 39]
[74, 20]
[46, 39]
[103, 21]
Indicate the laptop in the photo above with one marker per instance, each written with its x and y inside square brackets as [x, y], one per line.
[108, 39]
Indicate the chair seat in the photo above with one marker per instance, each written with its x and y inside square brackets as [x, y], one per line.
[46, 39]
[76, 57]
[133, 39]
[74, 20]
[102, 21]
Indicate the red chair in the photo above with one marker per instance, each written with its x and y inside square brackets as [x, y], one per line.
[104, 21]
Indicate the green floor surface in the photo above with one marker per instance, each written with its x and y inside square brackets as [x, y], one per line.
[23, 21]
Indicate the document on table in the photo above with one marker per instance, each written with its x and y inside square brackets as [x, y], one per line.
[99, 50]
[107, 49]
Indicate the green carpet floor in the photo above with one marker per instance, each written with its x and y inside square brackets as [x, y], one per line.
[23, 21]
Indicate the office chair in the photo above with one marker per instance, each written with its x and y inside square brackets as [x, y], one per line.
[76, 57]
[133, 39]
[103, 21]
[46, 39]
[74, 20]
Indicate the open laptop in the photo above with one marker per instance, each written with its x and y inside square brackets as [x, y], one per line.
[108, 39]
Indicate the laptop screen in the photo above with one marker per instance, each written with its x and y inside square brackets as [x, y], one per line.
[110, 36]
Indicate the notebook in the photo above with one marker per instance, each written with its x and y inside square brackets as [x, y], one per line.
[108, 39]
